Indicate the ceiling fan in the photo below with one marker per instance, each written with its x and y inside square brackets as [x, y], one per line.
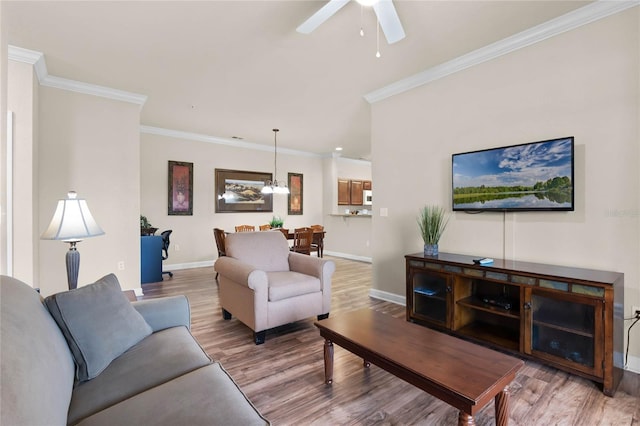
[384, 9]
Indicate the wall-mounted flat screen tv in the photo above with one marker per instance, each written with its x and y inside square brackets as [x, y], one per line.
[526, 177]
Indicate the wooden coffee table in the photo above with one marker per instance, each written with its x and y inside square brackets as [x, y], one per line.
[460, 373]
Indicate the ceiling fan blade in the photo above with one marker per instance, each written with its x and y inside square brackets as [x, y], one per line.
[389, 20]
[326, 12]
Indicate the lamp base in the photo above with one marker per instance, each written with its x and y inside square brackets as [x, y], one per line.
[73, 266]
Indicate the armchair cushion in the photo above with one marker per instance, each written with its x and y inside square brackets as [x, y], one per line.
[283, 285]
[98, 323]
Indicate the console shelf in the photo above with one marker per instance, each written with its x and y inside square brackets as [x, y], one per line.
[475, 303]
[557, 315]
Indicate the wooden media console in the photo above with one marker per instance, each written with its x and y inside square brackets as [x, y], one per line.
[569, 318]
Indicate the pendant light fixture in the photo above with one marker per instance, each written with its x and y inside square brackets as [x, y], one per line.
[275, 187]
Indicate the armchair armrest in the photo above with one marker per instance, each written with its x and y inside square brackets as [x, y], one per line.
[242, 273]
[165, 312]
[320, 268]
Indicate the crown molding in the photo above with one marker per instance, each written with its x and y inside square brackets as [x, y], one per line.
[30, 57]
[179, 134]
[36, 59]
[93, 89]
[567, 22]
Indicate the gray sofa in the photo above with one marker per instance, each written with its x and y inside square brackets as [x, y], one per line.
[54, 372]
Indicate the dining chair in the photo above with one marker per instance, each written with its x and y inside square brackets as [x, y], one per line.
[302, 239]
[265, 227]
[317, 244]
[245, 228]
[219, 236]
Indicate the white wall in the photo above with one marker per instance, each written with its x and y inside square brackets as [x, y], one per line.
[3, 138]
[193, 235]
[91, 145]
[583, 83]
[22, 101]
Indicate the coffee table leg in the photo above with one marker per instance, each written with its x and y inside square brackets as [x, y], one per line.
[328, 361]
[465, 419]
[502, 407]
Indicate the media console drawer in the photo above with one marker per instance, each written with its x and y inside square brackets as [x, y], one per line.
[557, 315]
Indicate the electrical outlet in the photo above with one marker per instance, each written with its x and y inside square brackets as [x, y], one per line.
[635, 311]
[121, 265]
[177, 247]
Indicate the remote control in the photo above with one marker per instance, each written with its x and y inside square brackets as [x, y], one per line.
[483, 261]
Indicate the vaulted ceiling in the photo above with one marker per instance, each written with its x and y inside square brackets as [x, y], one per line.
[239, 68]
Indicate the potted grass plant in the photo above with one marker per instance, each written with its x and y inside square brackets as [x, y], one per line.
[276, 222]
[432, 222]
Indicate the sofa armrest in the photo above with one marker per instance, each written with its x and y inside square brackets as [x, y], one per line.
[165, 312]
[242, 273]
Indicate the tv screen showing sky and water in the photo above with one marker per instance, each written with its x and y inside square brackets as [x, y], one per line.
[526, 177]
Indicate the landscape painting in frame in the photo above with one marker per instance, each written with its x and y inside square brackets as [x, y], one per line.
[527, 177]
[241, 191]
[180, 197]
[295, 193]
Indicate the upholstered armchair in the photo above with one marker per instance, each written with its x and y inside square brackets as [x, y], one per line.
[265, 285]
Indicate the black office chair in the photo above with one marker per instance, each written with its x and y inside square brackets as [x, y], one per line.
[165, 247]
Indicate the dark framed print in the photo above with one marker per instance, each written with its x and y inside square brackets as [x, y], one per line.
[180, 197]
[295, 193]
[241, 191]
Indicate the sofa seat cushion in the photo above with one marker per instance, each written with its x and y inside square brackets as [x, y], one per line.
[155, 360]
[207, 396]
[284, 285]
[98, 323]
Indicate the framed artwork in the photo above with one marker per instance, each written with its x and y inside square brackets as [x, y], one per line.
[295, 193]
[180, 198]
[241, 191]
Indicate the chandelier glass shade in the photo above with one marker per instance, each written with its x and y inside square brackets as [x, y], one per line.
[273, 186]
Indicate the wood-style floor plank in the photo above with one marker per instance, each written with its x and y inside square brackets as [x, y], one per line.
[284, 377]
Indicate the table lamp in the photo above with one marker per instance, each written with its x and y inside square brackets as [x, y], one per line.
[72, 222]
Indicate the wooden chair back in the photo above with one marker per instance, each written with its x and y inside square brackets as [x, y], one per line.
[302, 239]
[317, 244]
[265, 227]
[220, 236]
[245, 228]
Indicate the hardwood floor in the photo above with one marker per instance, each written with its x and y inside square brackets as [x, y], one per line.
[284, 376]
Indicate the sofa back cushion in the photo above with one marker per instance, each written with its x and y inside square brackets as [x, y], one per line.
[265, 250]
[35, 361]
[99, 324]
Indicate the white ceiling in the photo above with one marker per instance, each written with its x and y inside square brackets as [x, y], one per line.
[239, 68]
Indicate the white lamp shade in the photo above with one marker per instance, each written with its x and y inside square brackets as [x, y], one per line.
[72, 221]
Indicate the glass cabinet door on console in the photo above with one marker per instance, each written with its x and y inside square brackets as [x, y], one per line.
[565, 329]
[429, 294]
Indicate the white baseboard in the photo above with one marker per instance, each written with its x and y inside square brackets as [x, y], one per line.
[633, 364]
[348, 256]
[190, 265]
[388, 297]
